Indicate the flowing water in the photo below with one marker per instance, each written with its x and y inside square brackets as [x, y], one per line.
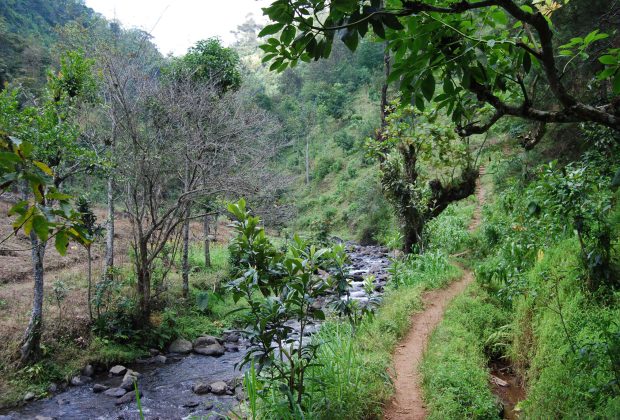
[166, 389]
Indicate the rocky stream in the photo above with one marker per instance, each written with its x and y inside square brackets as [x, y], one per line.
[189, 380]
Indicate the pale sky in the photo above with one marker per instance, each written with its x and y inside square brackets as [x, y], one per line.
[178, 24]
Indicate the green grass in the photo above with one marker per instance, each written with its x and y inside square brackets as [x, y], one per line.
[454, 368]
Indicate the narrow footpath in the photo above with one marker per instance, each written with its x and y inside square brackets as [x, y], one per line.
[408, 401]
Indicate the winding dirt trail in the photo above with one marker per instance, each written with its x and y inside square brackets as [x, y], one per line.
[408, 401]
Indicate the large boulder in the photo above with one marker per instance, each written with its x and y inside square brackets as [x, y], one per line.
[180, 345]
[215, 350]
[206, 340]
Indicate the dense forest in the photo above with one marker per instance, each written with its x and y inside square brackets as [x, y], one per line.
[360, 209]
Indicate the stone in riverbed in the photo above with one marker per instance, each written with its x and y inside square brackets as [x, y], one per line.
[211, 350]
[201, 388]
[180, 345]
[80, 380]
[129, 379]
[115, 392]
[231, 347]
[29, 396]
[98, 388]
[118, 370]
[127, 398]
[219, 388]
[206, 340]
[191, 404]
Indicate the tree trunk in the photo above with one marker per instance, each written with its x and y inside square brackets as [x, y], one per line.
[307, 160]
[144, 282]
[109, 242]
[205, 225]
[90, 283]
[31, 343]
[185, 256]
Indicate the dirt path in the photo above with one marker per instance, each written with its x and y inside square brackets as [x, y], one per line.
[408, 401]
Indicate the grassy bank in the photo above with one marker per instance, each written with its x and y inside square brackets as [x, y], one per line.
[546, 297]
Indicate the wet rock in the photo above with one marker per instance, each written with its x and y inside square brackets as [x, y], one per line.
[52, 388]
[127, 398]
[160, 359]
[29, 396]
[118, 370]
[232, 337]
[80, 380]
[219, 388]
[129, 379]
[180, 345]
[191, 404]
[98, 388]
[88, 370]
[208, 405]
[211, 350]
[115, 392]
[154, 352]
[201, 388]
[205, 340]
[231, 347]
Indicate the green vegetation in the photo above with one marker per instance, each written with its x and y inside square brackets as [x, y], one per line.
[351, 376]
[382, 139]
[455, 364]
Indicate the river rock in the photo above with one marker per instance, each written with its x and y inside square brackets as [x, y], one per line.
[153, 352]
[52, 388]
[205, 340]
[127, 398]
[118, 370]
[98, 388]
[231, 347]
[88, 370]
[201, 388]
[29, 396]
[160, 359]
[211, 350]
[115, 392]
[80, 380]
[191, 404]
[180, 345]
[219, 388]
[129, 379]
[232, 337]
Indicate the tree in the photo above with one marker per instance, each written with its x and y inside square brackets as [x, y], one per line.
[458, 55]
[408, 145]
[208, 61]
